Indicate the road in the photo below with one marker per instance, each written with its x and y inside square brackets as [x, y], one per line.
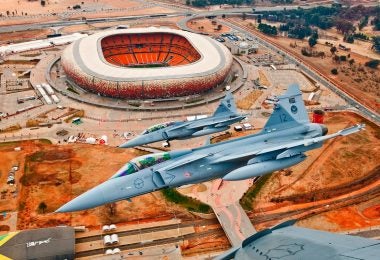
[183, 12]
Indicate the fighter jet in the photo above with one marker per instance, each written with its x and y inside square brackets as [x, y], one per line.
[288, 242]
[224, 116]
[282, 143]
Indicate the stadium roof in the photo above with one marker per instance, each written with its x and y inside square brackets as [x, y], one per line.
[88, 55]
[39, 44]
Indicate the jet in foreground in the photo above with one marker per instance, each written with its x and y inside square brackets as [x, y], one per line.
[288, 242]
[286, 136]
[224, 116]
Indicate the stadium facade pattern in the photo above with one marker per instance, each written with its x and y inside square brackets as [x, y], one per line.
[143, 63]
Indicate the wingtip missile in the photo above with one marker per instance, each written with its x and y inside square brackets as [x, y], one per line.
[351, 130]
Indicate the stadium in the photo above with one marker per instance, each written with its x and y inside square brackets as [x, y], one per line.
[146, 63]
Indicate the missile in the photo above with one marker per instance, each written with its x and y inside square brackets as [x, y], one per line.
[208, 131]
[261, 168]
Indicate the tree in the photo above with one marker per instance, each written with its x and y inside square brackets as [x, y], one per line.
[199, 3]
[334, 71]
[43, 2]
[333, 49]
[267, 29]
[42, 207]
[351, 61]
[284, 27]
[372, 63]
[344, 26]
[376, 24]
[376, 43]
[306, 52]
[349, 38]
[336, 59]
[187, 2]
[363, 22]
[111, 209]
[312, 42]
[299, 31]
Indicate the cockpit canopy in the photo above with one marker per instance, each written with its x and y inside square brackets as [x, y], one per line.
[157, 127]
[141, 162]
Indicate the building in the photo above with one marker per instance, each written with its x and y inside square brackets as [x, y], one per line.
[244, 48]
[143, 63]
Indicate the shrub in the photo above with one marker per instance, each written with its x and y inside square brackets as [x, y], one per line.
[334, 71]
[372, 63]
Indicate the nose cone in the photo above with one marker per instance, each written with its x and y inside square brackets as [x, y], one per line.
[87, 200]
[139, 140]
[325, 130]
[143, 139]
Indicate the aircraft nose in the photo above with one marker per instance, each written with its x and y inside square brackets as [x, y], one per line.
[324, 129]
[87, 200]
[132, 143]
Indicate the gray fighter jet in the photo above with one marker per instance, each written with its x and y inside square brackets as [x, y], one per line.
[281, 144]
[224, 116]
[293, 243]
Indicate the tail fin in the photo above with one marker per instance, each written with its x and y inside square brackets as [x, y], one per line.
[227, 105]
[289, 110]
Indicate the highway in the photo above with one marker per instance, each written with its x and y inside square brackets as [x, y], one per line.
[184, 12]
[36, 26]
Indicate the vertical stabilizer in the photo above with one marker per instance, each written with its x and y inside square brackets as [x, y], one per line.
[227, 105]
[289, 111]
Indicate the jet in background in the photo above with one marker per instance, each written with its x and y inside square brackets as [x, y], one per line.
[287, 135]
[288, 242]
[224, 116]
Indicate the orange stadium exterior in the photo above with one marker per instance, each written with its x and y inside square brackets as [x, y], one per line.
[146, 63]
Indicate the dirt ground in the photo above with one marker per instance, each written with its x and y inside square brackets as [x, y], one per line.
[207, 26]
[247, 101]
[24, 35]
[59, 9]
[58, 6]
[358, 80]
[55, 174]
[215, 242]
[357, 216]
[340, 167]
